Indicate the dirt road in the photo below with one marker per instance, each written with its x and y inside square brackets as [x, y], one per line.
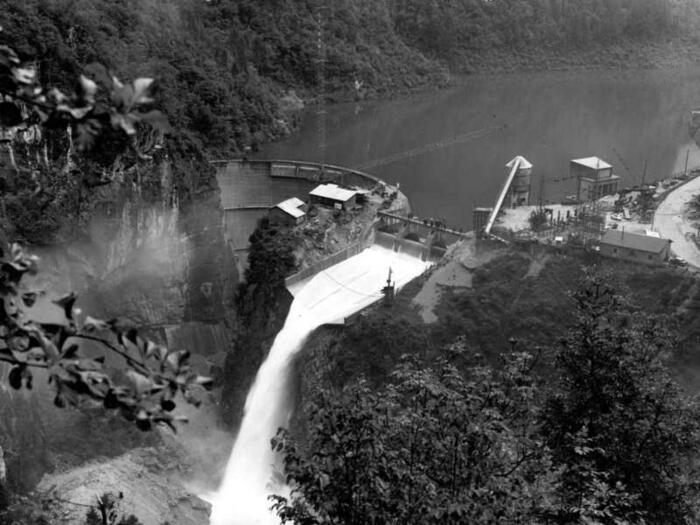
[671, 223]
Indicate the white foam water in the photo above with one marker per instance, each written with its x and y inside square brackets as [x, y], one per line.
[332, 295]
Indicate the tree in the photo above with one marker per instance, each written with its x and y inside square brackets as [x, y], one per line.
[621, 429]
[106, 512]
[153, 376]
[271, 255]
[537, 219]
[96, 106]
[435, 446]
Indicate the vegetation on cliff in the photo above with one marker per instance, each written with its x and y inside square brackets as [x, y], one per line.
[607, 438]
[71, 348]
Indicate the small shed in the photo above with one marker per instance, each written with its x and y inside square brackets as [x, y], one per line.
[290, 212]
[333, 196]
[635, 247]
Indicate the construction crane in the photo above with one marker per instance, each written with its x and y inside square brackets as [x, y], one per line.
[622, 161]
[629, 171]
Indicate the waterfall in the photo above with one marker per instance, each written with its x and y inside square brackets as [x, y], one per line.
[329, 297]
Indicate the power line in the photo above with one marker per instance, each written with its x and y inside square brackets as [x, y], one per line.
[427, 148]
[321, 81]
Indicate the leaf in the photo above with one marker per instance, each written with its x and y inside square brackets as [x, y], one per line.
[24, 75]
[86, 132]
[59, 400]
[125, 122]
[206, 382]
[156, 119]
[111, 400]
[177, 359]
[15, 378]
[122, 97]
[29, 298]
[324, 480]
[132, 335]
[90, 324]
[89, 88]
[66, 302]
[10, 115]
[100, 74]
[141, 88]
[78, 113]
[8, 57]
[70, 352]
[157, 351]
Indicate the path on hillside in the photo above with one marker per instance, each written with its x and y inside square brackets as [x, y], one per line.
[671, 223]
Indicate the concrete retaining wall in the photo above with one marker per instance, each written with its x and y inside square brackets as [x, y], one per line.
[310, 171]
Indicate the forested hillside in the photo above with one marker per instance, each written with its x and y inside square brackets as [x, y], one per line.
[460, 28]
[231, 71]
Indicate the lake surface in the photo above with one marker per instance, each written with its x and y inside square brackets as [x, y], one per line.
[448, 149]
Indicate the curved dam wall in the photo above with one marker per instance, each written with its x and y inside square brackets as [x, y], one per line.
[250, 187]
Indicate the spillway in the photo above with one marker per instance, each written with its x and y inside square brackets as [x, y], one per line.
[328, 297]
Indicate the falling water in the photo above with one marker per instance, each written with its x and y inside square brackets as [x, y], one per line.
[330, 296]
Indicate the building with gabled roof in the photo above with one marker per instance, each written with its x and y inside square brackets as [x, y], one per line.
[635, 247]
[334, 196]
[289, 212]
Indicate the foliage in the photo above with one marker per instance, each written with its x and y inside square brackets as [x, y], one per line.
[270, 255]
[226, 67]
[87, 112]
[537, 219]
[454, 27]
[106, 512]
[615, 420]
[607, 438]
[436, 446]
[145, 394]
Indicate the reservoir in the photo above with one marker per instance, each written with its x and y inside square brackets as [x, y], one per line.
[448, 149]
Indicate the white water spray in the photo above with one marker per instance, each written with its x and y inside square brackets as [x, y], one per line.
[330, 296]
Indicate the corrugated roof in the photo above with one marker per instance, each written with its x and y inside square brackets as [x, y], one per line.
[291, 207]
[592, 162]
[634, 241]
[334, 192]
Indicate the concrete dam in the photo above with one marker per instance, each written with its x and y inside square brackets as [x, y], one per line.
[249, 188]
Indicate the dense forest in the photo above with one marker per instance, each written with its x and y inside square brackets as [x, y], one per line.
[232, 72]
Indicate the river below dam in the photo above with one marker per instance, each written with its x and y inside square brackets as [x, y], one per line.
[448, 149]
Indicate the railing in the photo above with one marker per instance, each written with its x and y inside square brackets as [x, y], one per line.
[324, 264]
[420, 223]
[347, 252]
[312, 171]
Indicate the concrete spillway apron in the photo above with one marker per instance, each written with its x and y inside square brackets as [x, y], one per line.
[328, 297]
